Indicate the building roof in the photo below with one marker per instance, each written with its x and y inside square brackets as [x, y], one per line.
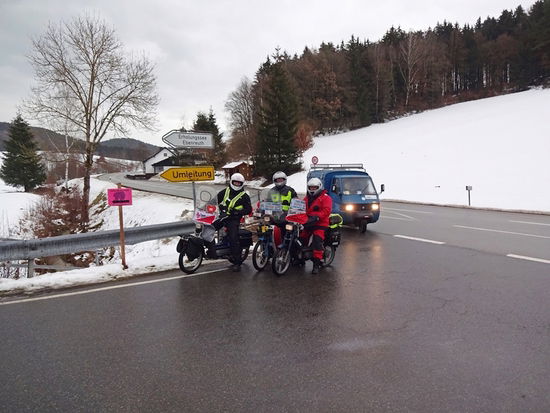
[232, 165]
[157, 152]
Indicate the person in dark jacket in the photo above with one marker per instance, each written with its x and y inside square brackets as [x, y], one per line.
[318, 209]
[281, 192]
[234, 203]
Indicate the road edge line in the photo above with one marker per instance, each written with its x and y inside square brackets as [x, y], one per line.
[112, 287]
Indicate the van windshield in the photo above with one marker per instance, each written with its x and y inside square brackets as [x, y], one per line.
[360, 185]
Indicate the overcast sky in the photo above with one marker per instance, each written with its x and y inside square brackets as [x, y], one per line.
[202, 48]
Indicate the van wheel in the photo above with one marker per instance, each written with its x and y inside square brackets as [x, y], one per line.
[363, 227]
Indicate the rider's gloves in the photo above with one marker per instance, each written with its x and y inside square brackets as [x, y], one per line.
[312, 219]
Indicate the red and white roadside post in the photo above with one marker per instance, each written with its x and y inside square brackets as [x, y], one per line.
[119, 197]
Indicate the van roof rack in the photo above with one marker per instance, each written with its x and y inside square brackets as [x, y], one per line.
[338, 166]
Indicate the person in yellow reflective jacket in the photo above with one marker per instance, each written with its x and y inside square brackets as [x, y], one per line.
[234, 203]
[281, 192]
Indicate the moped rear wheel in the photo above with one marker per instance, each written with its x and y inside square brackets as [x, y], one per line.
[328, 255]
[281, 261]
[187, 266]
[260, 257]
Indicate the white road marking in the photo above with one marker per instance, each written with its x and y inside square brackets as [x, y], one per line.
[400, 219]
[407, 210]
[530, 223]
[50, 297]
[420, 239]
[502, 232]
[523, 257]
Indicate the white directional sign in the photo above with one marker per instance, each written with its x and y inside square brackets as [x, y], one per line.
[179, 139]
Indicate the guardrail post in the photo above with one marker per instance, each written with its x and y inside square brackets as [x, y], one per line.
[30, 268]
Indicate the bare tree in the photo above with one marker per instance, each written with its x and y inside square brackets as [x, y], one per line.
[240, 105]
[81, 65]
[62, 126]
[412, 52]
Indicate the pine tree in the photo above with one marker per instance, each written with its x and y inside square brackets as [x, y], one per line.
[205, 123]
[22, 164]
[276, 148]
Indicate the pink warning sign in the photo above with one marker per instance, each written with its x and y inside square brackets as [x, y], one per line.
[119, 196]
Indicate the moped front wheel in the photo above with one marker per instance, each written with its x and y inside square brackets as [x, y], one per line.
[189, 266]
[260, 257]
[281, 261]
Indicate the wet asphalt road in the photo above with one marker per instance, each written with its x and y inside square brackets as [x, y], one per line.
[395, 325]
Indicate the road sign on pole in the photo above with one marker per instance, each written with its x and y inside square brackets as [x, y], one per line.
[314, 160]
[189, 173]
[118, 197]
[469, 188]
[198, 140]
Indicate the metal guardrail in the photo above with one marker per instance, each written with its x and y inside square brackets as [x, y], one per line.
[90, 241]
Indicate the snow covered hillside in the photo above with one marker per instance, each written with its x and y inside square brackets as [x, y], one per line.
[500, 146]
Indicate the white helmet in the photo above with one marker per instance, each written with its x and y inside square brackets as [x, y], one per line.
[236, 182]
[279, 178]
[314, 186]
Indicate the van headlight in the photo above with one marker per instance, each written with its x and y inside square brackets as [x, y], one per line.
[375, 207]
[348, 207]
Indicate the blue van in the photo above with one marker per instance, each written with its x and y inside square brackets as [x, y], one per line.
[353, 194]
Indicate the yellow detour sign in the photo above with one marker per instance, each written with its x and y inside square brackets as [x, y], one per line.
[190, 173]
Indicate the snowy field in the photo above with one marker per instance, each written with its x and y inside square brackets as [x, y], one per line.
[500, 146]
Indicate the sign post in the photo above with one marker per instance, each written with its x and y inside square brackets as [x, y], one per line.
[198, 140]
[119, 197]
[468, 188]
[189, 174]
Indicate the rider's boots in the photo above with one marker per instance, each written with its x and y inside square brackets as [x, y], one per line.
[316, 266]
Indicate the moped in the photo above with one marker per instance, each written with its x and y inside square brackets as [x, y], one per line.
[267, 215]
[209, 241]
[294, 250]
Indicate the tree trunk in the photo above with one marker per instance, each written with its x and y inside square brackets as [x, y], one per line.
[86, 191]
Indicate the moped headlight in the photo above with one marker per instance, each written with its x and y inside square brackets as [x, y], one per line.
[348, 207]
[288, 227]
[375, 207]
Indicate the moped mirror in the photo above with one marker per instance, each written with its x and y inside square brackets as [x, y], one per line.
[382, 188]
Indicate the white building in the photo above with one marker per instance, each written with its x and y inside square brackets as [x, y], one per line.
[161, 155]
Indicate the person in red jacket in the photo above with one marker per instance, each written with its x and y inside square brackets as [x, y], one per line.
[318, 209]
